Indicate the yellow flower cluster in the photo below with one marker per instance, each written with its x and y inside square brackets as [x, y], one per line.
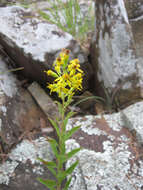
[68, 75]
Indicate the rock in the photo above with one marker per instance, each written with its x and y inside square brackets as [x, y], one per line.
[110, 158]
[111, 155]
[113, 53]
[23, 168]
[20, 117]
[34, 44]
[132, 117]
[44, 101]
[134, 8]
[137, 28]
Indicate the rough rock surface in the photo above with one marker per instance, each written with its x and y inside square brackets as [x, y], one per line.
[110, 158]
[44, 101]
[134, 8]
[113, 53]
[20, 117]
[23, 168]
[34, 43]
[111, 155]
[137, 28]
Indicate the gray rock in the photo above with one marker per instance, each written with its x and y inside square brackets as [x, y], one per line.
[111, 155]
[113, 53]
[35, 44]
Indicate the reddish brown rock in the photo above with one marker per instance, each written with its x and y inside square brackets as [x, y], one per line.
[20, 115]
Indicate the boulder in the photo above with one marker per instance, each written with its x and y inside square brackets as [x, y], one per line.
[134, 8]
[113, 53]
[34, 44]
[20, 117]
[111, 154]
[23, 168]
[110, 158]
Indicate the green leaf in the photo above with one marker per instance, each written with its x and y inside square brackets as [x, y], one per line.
[90, 97]
[44, 15]
[70, 114]
[52, 170]
[71, 153]
[48, 183]
[52, 164]
[54, 124]
[71, 168]
[67, 183]
[69, 133]
[54, 146]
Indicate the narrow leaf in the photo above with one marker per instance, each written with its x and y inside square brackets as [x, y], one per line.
[52, 170]
[71, 132]
[67, 183]
[48, 183]
[54, 124]
[70, 114]
[71, 168]
[52, 164]
[90, 97]
[71, 153]
[54, 146]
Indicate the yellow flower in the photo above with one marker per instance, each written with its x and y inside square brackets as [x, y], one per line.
[51, 73]
[58, 69]
[77, 81]
[68, 76]
[74, 66]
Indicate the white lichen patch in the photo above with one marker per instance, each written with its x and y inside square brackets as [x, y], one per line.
[7, 82]
[106, 170]
[35, 37]
[6, 171]
[26, 151]
[31, 151]
[114, 121]
[87, 125]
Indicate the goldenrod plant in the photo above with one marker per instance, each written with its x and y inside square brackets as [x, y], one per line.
[67, 79]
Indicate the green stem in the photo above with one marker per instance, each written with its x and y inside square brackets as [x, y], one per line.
[61, 141]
